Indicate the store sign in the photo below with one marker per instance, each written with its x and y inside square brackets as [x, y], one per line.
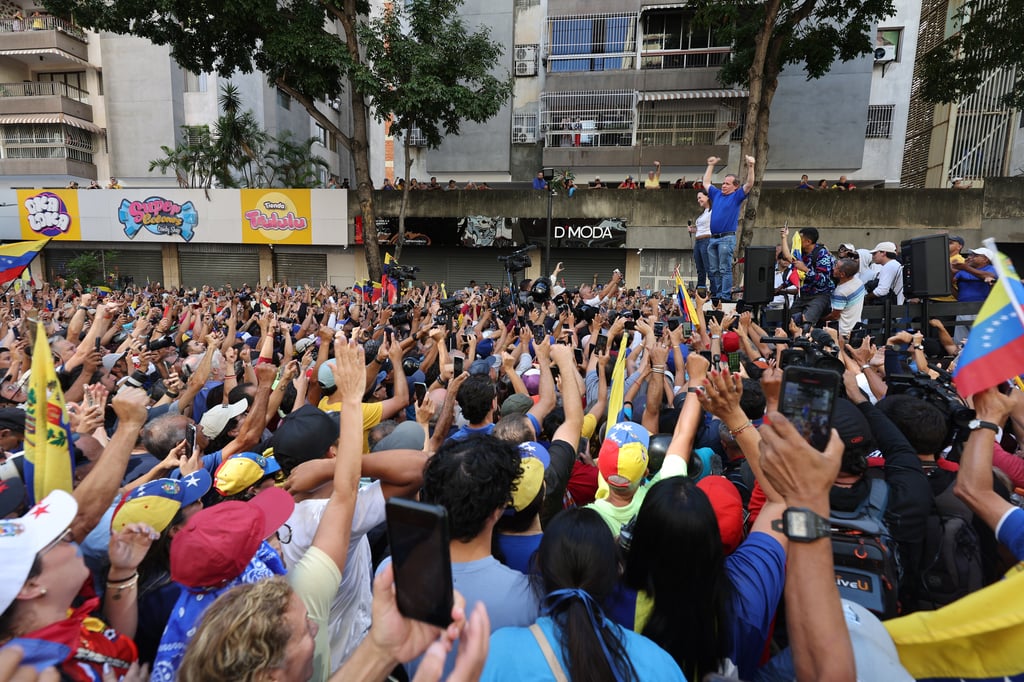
[276, 217]
[158, 216]
[471, 231]
[50, 213]
[577, 233]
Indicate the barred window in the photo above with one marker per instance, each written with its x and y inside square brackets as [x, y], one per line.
[47, 141]
[596, 42]
[598, 118]
[196, 135]
[524, 128]
[680, 127]
[880, 120]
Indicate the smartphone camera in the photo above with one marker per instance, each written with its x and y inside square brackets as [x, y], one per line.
[807, 398]
[418, 535]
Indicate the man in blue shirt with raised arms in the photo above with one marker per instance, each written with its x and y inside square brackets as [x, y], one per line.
[725, 216]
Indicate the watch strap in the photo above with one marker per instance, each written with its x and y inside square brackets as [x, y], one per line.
[979, 424]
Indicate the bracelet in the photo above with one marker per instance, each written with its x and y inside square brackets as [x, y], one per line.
[133, 576]
[864, 367]
[170, 395]
[655, 370]
[121, 587]
[693, 389]
[716, 336]
[736, 432]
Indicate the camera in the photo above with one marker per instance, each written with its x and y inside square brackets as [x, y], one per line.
[160, 343]
[517, 260]
[400, 314]
[402, 272]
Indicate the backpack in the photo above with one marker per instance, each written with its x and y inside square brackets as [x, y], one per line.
[866, 560]
[951, 564]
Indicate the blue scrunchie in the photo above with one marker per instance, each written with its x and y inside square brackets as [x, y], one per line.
[594, 612]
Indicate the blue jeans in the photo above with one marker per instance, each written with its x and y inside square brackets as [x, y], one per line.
[701, 260]
[720, 253]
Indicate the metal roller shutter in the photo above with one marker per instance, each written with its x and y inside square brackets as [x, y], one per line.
[300, 268]
[218, 264]
[141, 265]
[457, 266]
[432, 262]
[581, 265]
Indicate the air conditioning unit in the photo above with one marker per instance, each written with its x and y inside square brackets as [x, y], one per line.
[526, 60]
[521, 135]
[886, 53]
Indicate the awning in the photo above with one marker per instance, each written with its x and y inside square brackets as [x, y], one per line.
[33, 51]
[692, 94]
[66, 119]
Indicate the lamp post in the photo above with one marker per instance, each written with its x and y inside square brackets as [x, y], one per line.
[549, 176]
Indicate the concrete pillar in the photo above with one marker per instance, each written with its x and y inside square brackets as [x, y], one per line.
[172, 273]
[266, 263]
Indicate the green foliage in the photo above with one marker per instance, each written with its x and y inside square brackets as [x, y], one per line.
[990, 36]
[289, 163]
[87, 267]
[425, 68]
[562, 178]
[811, 33]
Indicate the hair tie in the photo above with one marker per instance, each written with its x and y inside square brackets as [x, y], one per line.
[594, 611]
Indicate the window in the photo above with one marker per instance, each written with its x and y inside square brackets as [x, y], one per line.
[320, 133]
[47, 141]
[196, 82]
[880, 120]
[70, 84]
[887, 44]
[601, 118]
[598, 42]
[670, 40]
[675, 126]
[196, 136]
[284, 100]
[524, 128]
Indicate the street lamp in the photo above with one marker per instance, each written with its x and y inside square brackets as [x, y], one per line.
[549, 176]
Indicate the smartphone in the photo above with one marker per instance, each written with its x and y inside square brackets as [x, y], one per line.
[98, 343]
[807, 398]
[702, 292]
[539, 332]
[578, 353]
[190, 439]
[897, 362]
[420, 390]
[659, 329]
[687, 328]
[734, 361]
[673, 323]
[418, 535]
[457, 362]
[601, 343]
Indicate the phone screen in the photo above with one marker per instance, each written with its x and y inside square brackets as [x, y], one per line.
[190, 439]
[457, 362]
[734, 361]
[578, 353]
[659, 329]
[602, 342]
[539, 332]
[702, 292]
[806, 398]
[420, 390]
[687, 328]
[418, 535]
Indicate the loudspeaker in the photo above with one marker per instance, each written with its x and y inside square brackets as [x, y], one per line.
[759, 274]
[926, 266]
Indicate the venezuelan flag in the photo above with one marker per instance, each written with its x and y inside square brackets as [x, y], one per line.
[794, 276]
[994, 351]
[48, 463]
[14, 258]
[685, 302]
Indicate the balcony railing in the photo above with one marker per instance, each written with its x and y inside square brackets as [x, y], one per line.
[44, 89]
[43, 22]
[49, 152]
[706, 57]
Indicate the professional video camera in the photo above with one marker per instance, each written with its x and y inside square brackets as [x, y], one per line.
[518, 260]
[819, 351]
[403, 272]
[400, 314]
[449, 306]
[940, 393]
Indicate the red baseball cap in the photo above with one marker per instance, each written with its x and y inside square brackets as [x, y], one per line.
[728, 506]
[218, 543]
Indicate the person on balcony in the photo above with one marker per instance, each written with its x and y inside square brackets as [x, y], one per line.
[653, 180]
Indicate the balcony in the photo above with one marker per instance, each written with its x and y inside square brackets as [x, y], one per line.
[56, 165]
[44, 97]
[54, 40]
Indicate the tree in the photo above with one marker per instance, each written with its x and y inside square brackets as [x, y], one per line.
[769, 35]
[989, 35]
[425, 71]
[295, 44]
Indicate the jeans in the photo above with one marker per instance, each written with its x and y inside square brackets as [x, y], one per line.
[720, 253]
[701, 260]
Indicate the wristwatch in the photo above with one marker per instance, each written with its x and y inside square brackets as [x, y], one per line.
[802, 525]
[976, 424]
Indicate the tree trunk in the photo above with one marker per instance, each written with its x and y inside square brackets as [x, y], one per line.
[406, 146]
[361, 153]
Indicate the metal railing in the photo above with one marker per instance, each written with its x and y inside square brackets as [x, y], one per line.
[42, 22]
[44, 89]
[48, 152]
[700, 58]
[880, 120]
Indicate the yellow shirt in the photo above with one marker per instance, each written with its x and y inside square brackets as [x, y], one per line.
[952, 259]
[372, 413]
[316, 579]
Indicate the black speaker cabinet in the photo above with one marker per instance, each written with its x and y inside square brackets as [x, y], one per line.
[926, 266]
[759, 275]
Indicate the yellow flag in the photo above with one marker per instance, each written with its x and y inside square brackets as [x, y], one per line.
[48, 465]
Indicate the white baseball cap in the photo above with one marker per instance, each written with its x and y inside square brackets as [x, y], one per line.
[987, 253]
[22, 539]
[888, 247]
[216, 418]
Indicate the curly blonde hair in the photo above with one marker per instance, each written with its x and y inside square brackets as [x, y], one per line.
[242, 636]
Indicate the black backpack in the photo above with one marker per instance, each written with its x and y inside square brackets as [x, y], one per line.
[866, 560]
[951, 563]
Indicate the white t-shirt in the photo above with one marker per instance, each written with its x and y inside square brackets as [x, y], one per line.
[351, 610]
[704, 224]
[890, 279]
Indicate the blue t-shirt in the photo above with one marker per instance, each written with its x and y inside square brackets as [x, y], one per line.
[468, 431]
[515, 655]
[972, 288]
[519, 550]
[1010, 532]
[725, 211]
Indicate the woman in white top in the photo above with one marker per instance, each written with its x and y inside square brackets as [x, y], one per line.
[702, 234]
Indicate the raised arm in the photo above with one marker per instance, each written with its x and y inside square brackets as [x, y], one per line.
[974, 481]
[749, 184]
[710, 171]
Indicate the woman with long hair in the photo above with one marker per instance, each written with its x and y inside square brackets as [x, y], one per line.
[710, 611]
[578, 565]
[702, 238]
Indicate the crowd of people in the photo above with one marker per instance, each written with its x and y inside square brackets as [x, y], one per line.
[625, 498]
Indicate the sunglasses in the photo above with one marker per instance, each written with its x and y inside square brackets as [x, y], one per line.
[64, 537]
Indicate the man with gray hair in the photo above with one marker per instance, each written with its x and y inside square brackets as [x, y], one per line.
[848, 296]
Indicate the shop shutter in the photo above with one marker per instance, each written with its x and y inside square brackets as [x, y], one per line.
[300, 268]
[218, 264]
[141, 265]
[580, 265]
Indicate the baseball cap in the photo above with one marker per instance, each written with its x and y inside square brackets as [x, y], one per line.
[216, 418]
[981, 251]
[303, 344]
[483, 366]
[12, 418]
[622, 460]
[516, 404]
[874, 651]
[956, 238]
[888, 247]
[531, 379]
[848, 246]
[407, 436]
[728, 506]
[529, 483]
[12, 495]
[532, 448]
[157, 502]
[325, 375]
[730, 342]
[307, 433]
[484, 348]
[238, 472]
[110, 359]
[218, 542]
[23, 538]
